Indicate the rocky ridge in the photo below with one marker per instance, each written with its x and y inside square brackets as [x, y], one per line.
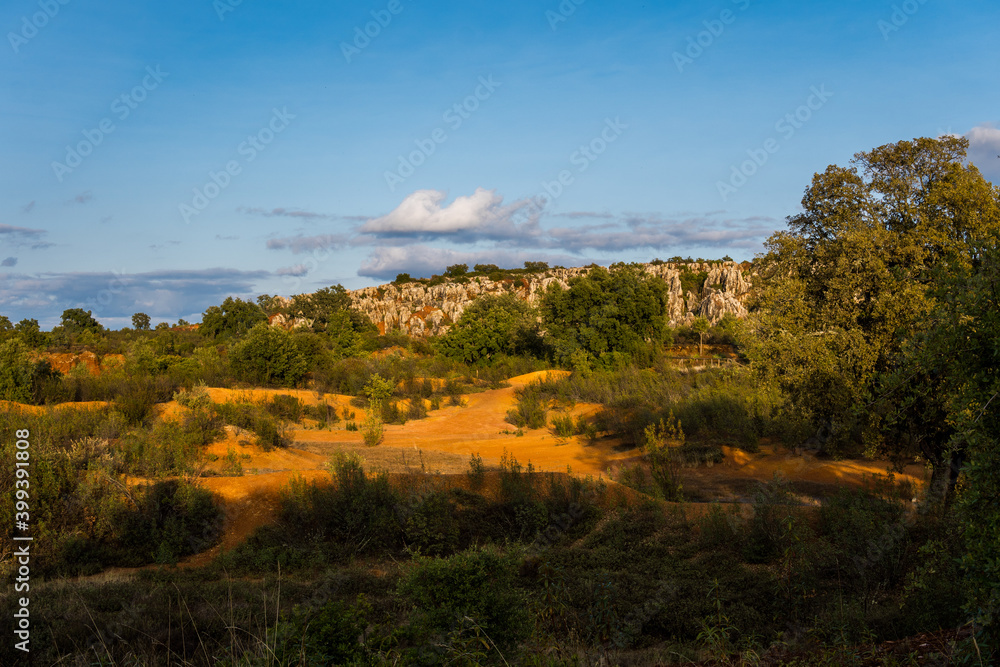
[421, 310]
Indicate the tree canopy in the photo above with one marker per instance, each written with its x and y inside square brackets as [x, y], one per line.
[233, 318]
[489, 326]
[853, 279]
[605, 312]
[78, 320]
[140, 322]
[267, 355]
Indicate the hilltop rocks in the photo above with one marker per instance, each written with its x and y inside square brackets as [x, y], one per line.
[422, 310]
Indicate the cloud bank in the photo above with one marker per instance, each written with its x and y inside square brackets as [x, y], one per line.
[984, 150]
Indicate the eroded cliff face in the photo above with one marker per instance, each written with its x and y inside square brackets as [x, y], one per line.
[420, 310]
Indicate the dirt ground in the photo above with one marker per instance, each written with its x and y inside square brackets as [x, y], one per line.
[247, 479]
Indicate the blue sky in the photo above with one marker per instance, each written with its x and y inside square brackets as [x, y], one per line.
[159, 157]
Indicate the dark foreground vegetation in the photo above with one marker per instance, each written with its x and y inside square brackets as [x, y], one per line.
[874, 331]
[529, 568]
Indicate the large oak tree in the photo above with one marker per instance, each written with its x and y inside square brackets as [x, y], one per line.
[847, 290]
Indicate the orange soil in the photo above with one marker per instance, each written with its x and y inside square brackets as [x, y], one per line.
[444, 441]
[64, 362]
[809, 477]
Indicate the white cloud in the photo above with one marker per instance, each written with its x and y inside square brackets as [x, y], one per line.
[296, 270]
[422, 213]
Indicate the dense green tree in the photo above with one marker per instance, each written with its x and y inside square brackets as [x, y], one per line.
[269, 304]
[233, 318]
[536, 267]
[485, 268]
[330, 311]
[29, 332]
[958, 360]
[605, 312]
[321, 306]
[15, 372]
[78, 320]
[267, 355]
[851, 280]
[140, 322]
[456, 270]
[492, 325]
[5, 324]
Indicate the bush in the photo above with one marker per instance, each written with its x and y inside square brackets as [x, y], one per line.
[354, 515]
[531, 408]
[324, 636]
[267, 356]
[284, 406]
[869, 538]
[417, 409]
[250, 417]
[477, 472]
[773, 527]
[137, 395]
[563, 426]
[492, 327]
[432, 527]
[476, 584]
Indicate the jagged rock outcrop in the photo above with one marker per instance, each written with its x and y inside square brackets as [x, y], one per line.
[421, 310]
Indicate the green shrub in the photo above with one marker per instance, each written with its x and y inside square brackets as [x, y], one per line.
[354, 515]
[478, 584]
[720, 529]
[267, 356]
[662, 460]
[284, 406]
[432, 527]
[136, 400]
[772, 529]
[563, 426]
[477, 472]
[869, 539]
[417, 409]
[251, 417]
[531, 410]
[166, 448]
[391, 414]
[327, 635]
[325, 413]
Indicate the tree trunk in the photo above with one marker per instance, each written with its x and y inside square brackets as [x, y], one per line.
[944, 479]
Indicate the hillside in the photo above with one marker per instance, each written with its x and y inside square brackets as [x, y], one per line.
[708, 289]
